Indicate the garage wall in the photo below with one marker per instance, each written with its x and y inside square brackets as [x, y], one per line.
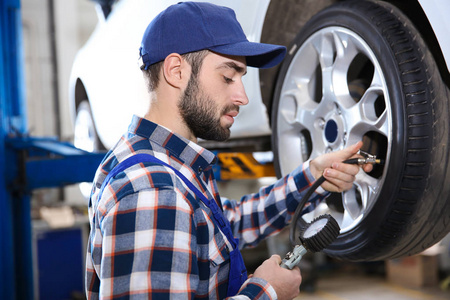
[72, 31]
[53, 32]
[38, 75]
[73, 21]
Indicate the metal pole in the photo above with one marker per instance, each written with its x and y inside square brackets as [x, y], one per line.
[16, 275]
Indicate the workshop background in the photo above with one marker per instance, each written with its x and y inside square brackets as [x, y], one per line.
[53, 32]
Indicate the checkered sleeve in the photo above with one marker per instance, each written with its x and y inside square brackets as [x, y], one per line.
[257, 289]
[149, 247]
[259, 215]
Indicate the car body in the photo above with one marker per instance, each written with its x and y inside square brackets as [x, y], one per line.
[119, 37]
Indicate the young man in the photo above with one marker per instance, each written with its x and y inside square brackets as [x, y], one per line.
[159, 228]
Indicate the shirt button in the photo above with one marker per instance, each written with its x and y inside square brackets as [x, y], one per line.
[200, 169]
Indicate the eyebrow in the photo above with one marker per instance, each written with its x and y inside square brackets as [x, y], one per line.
[233, 65]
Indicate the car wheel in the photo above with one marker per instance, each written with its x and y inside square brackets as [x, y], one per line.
[86, 137]
[359, 70]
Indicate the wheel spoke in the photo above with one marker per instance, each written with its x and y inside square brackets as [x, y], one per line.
[351, 205]
[363, 116]
[346, 51]
[347, 221]
[324, 46]
[358, 200]
[368, 187]
[297, 109]
[382, 124]
[371, 112]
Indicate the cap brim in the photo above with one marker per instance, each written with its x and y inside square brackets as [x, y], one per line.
[258, 55]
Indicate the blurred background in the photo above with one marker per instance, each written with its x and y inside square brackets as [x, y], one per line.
[53, 32]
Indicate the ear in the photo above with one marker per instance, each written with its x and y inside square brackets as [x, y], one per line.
[175, 70]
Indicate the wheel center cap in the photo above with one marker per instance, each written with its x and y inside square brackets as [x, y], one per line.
[331, 131]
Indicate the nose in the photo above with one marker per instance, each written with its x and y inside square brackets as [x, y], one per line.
[240, 96]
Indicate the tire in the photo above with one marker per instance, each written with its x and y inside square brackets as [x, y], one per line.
[86, 138]
[359, 70]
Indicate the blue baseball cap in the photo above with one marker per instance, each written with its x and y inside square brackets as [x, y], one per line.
[193, 26]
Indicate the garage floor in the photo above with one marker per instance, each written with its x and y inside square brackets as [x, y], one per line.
[357, 286]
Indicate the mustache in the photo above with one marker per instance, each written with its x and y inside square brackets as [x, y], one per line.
[229, 108]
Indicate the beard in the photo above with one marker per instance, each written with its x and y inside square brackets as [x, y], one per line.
[199, 112]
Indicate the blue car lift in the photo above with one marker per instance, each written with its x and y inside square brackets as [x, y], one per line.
[26, 163]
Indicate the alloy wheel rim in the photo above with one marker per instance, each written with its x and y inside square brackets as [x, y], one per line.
[327, 103]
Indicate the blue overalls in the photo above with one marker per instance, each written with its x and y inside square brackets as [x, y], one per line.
[238, 272]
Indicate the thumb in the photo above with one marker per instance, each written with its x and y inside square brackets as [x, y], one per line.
[277, 258]
[352, 149]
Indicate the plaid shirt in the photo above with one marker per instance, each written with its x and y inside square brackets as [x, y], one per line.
[152, 238]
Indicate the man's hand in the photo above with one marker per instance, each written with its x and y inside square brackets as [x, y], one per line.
[339, 176]
[286, 283]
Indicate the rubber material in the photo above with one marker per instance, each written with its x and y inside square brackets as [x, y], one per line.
[324, 237]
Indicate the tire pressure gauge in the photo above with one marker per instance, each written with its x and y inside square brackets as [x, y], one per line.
[315, 236]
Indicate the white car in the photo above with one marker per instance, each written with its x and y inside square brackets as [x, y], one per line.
[355, 70]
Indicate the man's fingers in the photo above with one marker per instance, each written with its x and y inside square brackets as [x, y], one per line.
[342, 168]
[277, 258]
[338, 175]
[368, 168]
[337, 186]
[296, 269]
[353, 149]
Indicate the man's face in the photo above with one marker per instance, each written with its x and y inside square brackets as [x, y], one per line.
[212, 99]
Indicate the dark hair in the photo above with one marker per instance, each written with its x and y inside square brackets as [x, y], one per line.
[195, 59]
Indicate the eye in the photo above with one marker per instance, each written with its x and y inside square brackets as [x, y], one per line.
[227, 79]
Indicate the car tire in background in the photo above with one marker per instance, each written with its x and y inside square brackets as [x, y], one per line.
[86, 138]
[359, 70]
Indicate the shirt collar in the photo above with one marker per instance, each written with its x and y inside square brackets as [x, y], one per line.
[189, 152]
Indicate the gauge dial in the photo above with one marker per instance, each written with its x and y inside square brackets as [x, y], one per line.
[320, 233]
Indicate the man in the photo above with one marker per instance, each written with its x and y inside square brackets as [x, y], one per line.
[157, 226]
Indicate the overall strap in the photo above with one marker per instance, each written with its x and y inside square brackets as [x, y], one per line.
[238, 273]
[221, 221]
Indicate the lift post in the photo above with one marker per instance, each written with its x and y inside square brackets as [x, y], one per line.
[26, 163]
[14, 218]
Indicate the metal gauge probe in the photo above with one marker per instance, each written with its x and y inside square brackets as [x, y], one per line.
[315, 236]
